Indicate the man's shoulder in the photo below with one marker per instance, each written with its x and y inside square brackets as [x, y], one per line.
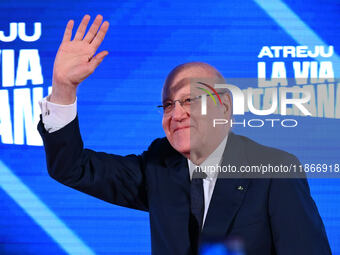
[160, 145]
[255, 151]
[160, 149]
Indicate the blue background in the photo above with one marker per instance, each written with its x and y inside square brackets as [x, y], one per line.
[117, 112]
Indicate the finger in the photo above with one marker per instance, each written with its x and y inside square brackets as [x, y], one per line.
[93, 29]
[100, 35]
[82, 28]
[96, 60]
[68, 31]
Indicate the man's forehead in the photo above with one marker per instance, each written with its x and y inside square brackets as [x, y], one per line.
[171, 90]
[185, 86]
[185, 74]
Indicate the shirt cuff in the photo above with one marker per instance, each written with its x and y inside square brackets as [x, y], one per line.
[56, 116]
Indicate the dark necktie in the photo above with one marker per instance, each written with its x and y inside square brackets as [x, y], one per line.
[196, 206]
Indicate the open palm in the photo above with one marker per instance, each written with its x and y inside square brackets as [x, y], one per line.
[75, 59]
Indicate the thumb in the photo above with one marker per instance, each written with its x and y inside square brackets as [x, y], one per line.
[96, 60]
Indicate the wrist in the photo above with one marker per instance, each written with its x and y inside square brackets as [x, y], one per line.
[64, 95]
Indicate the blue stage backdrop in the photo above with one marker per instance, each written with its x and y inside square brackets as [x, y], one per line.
[116, 105]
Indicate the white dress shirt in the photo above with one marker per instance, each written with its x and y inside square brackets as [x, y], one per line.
[56, 116]
[212, 162]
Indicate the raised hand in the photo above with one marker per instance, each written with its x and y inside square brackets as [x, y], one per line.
[76, 58]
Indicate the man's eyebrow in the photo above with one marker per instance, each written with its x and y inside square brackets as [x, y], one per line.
[202, 83]
[167, 100]
[180, 97]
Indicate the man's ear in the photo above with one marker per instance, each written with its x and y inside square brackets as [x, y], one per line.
[227, 105]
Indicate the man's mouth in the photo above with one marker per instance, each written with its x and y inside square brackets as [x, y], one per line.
[180, 128]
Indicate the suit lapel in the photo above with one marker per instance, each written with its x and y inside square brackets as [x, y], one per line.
[177, 166]
[228, 192]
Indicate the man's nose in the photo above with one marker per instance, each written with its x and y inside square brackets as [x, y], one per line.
[179, 112]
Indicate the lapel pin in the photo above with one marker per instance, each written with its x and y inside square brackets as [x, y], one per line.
[240, 188]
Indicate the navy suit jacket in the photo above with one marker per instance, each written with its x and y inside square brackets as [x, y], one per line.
[271, 216]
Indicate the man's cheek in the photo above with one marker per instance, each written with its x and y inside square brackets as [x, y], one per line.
[165, 126]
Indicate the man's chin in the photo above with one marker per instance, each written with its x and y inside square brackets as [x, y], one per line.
[182, 147]
[185, 144]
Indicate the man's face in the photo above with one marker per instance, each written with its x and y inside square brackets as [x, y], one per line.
[187, 130]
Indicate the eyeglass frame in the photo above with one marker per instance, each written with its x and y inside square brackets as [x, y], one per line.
[182, 101]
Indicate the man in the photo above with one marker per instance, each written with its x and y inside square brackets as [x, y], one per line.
[186, 205]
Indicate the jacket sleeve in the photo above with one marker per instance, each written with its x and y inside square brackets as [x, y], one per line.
[296, 225]
[116, 179]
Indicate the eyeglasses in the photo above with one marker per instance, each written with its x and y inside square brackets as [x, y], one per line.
[185, 103]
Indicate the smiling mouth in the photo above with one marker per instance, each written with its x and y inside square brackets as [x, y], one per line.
[180, 128]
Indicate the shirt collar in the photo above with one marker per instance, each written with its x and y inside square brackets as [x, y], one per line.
[212, 161]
